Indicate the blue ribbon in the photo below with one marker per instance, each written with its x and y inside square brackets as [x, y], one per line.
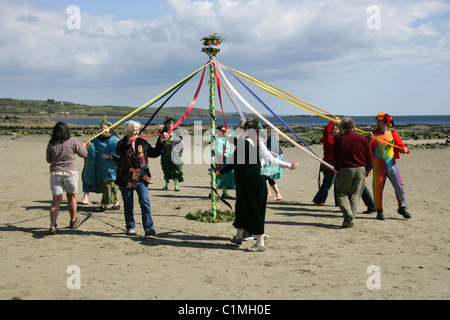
[275, 115]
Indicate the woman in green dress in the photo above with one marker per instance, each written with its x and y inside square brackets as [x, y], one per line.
[226, 181]
[251, 189]
[171, 159]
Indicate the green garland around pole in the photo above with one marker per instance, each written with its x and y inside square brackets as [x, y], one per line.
[212, 103]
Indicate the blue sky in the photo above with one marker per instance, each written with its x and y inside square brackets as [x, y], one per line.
[127, 52]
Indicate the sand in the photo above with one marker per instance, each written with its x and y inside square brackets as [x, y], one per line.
[308, 256]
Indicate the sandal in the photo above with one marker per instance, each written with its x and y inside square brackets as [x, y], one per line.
[115, 207]
[74, 224]
[52, 230]
[236, 240]
[256, 248]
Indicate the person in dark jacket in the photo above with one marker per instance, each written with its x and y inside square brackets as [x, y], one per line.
[353, 161]
[133, 174]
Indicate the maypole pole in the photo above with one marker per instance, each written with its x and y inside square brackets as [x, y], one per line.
[210, 46]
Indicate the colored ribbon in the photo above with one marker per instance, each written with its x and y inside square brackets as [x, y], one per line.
[272, 87]
[276, 129]
[160, 107]
[148, 104]
[223, 114]
[275, 115]
[187, 112]
[230, 94]
[336, 119]
[381, 141]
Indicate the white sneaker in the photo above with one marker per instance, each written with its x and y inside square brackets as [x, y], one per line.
[131, 232]
[253, 237]
[265, 236]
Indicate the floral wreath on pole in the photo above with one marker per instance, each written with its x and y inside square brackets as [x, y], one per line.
[211, 42]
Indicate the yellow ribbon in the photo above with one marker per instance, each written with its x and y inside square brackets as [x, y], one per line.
[273, 126]
[291, 101]
[146, 104]
[383, 142]
[289, 95]
[336, 118]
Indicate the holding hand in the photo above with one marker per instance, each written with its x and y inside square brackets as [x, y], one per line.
[165, 137]
[293, 166]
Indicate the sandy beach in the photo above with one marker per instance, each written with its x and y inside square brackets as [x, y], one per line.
[308, 256]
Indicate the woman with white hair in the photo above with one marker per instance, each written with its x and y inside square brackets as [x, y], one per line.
[133, 174]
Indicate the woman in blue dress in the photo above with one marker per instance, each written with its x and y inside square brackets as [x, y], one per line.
[102, 166]
[226, 181]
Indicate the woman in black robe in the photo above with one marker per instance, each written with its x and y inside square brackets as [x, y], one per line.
[251, 189]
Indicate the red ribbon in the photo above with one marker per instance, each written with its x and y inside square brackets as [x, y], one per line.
[223, 113]
[184, 116]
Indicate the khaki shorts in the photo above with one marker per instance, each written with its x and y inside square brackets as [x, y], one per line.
[63, 183]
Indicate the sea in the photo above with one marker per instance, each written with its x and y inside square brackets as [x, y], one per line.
[289, 120]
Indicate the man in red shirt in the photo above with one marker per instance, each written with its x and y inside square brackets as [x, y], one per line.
[353, 160]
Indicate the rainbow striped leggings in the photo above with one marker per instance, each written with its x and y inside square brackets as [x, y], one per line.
[387, 168]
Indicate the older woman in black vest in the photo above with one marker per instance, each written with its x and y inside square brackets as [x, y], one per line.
[133, 174]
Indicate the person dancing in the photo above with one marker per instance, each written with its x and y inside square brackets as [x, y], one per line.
[60, 154]
[251, 189]
[382, 142]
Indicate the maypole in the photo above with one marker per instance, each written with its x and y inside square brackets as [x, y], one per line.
[210, 46]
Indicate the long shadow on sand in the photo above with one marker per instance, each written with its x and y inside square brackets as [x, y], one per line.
[167, 238]
[294, 209]
[181, 239]
[174, 239]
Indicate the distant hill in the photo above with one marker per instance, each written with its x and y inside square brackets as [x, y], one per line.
[52, 108]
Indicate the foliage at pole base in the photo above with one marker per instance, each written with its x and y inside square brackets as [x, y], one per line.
[207, 216]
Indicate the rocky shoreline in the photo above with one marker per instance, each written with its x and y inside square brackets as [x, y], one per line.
[415, 136]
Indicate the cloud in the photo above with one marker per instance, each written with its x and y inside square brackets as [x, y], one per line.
[274, 40]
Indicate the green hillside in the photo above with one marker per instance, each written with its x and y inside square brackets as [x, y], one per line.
[33, 108]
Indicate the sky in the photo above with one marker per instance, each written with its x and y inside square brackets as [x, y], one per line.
[348, 57]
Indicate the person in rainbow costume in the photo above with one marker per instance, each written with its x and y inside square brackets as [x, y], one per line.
[387, 145]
